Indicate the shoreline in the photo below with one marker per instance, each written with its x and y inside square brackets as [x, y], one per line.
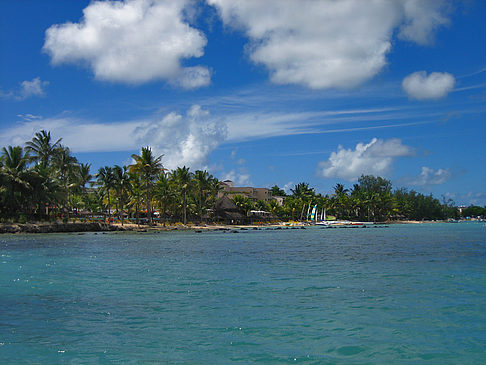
[58, 227]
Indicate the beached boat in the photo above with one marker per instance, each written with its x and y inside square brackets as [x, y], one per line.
[343, 224]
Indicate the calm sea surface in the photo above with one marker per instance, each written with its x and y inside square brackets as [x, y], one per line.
[402, 294]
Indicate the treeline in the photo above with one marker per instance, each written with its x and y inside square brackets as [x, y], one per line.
[44, 181]
[371, 199]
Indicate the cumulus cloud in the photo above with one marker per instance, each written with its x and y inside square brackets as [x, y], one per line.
[183, 139]
[288, 187]
[27, 89]
[36, 87]
[421, 86]
[429, 176]
[132, 41]
[327, 43]
[240, 178]
[422, 18]
[374, 158]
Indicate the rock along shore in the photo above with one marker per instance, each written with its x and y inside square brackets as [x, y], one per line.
[58, 228]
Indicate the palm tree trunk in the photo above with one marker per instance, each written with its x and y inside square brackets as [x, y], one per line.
[149, 210]
[200, 206]
[184, 208]
[121, 218]
[109, 210]
[137, 207]
[162, 213]
[302, 213]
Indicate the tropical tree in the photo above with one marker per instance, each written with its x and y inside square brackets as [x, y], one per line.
[15, 176]
[148, 166]
[46, 191]
[122, 186]
[243, 202]
[136, 194]
[106, 182]
[262, 205]
[41, 147]
[376, 193]
[304, 195]
[202, 185]
[182, 178]
[276, 191]
[65, 163]
[292, 205]
[83, 175]
[341, 200]
[164, 195]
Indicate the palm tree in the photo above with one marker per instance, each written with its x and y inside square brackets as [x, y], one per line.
[163, 194]
[305, 194]
[292, 205]
[65, 163]
[243, 202]
[16, 177]
[182, 178]
[106, 180]
[148, 167]
[136, 193]
[341, 199]
[201, 183]
[46, 190]
[122, 185]
[42, 148]
[84, 175]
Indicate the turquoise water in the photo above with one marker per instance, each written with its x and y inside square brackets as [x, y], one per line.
[403, 294]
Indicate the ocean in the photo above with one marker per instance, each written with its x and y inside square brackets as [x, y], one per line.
[402, 294]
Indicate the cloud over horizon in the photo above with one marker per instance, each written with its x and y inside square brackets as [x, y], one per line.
[375, 158]
[329, 44]
[183, 139]
[421, 86]
[133, 41]
[429, 176]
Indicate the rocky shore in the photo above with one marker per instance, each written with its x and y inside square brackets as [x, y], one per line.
[59, 227]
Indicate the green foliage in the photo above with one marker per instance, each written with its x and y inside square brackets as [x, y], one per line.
[474, 211]
[148, 167]
[243, 202]
[276, 191]
[44, 181]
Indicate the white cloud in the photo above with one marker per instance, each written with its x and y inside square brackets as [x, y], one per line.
[327, 43]
[375, 158]
[193, 78]
[183, 140]
[29, 117]
[422, 18]
[36, 87]
[79, 135]
[421, 86]
[240, 178]
[132, 41]
[430, 176]
[288, 187]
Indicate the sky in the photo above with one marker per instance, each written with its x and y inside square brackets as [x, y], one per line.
[263, 93]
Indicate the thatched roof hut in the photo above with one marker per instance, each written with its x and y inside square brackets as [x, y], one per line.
[226, 210]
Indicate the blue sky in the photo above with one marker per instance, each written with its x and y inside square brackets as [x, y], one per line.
[260, 92]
